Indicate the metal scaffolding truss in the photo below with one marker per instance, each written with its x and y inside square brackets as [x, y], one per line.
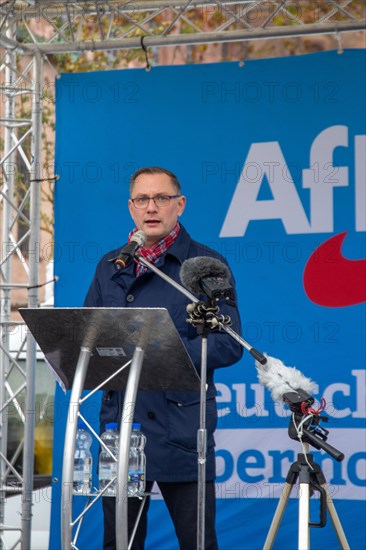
[30, 31]
[71, 26]
[19, 169]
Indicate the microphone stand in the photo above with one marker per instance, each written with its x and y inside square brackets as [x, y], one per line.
[202, 317]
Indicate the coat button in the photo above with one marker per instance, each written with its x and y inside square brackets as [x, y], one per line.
[130, 298]
[151, 415]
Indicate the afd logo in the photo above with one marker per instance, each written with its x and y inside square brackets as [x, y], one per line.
[266, 162]
[332, 280]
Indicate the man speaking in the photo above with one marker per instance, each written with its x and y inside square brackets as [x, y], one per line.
[169, 419]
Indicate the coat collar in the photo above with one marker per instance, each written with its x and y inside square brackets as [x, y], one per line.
[180, 247]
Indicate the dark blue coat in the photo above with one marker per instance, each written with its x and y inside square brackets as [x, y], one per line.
[169, 419]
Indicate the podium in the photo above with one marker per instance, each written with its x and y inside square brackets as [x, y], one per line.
[105, 348]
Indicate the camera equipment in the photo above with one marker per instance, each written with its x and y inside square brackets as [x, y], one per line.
[304, 427]
[296, 398]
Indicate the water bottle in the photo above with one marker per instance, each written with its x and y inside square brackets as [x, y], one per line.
[107, 464]
[82, 479]
[136, 462]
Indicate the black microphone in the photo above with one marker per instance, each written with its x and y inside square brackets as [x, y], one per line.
[128, 250]
[207, 275]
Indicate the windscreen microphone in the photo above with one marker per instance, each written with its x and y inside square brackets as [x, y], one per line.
[127, 252]
[207, 275]
[280, 379]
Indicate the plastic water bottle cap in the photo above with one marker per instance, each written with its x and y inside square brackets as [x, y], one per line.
[82, 425]
[136, 426]
[111, 426]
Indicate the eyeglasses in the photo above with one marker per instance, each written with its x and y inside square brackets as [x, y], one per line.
[161, 201]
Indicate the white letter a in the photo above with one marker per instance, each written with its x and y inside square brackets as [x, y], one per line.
[265, 159]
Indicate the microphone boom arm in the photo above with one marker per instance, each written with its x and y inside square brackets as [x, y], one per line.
[258, 356]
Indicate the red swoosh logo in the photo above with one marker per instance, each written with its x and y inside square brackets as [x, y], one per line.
[332, 280]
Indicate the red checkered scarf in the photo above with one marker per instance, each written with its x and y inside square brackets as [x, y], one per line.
[153, 253]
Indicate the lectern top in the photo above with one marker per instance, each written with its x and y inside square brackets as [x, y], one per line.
[113, 334]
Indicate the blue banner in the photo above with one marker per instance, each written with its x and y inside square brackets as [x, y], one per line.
[271, 157]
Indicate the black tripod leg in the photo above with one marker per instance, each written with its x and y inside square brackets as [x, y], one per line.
[335, 520]
[277, 518]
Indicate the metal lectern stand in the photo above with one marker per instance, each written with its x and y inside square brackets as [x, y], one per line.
[91, 348]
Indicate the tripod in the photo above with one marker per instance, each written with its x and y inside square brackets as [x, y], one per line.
[311, 478]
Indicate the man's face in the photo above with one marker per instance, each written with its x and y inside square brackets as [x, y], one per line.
[156, 222]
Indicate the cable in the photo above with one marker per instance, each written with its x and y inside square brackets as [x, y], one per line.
[300, 433]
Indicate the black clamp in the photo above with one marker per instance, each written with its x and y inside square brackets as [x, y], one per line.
[148, 66]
